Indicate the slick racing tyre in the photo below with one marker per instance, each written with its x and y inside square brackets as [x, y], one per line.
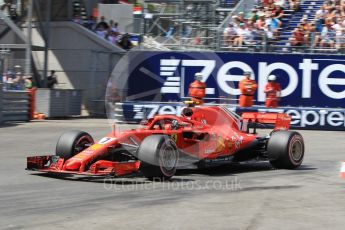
[285, 149]
[72, 142]
[159, 157]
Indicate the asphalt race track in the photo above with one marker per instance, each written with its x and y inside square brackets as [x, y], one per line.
[246, 196]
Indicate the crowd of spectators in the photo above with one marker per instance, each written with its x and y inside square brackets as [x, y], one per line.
[261, 25]
[15, 80]
[325, 31]
[106, 30]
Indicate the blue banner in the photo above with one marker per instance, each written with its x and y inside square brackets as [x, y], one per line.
[301, 118]
[306, 80]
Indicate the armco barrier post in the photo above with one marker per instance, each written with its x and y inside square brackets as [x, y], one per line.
[32, 102]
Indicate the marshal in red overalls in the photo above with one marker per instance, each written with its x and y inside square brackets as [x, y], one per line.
[247, 87]
[272, 90]
[197, 90]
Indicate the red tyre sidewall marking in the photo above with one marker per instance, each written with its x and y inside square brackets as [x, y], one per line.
[292, 141]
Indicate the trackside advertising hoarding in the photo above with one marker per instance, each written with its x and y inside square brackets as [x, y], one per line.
[301, 118]
[306, 80]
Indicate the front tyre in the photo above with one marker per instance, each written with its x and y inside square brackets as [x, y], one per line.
[72, 142]
[159, 157]
[285, 149]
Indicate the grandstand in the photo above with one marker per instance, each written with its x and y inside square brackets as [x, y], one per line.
[84, 59]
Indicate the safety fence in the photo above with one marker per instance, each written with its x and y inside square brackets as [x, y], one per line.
[59, 102]
[20, 105]
[1, 120]
[15, 106]
[301, 118]
[269, 41]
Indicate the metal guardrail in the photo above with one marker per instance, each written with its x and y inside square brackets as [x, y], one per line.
[15, 106]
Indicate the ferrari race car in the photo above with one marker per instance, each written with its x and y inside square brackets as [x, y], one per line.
[201, 137]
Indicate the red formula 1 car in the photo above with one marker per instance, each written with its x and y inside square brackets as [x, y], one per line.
[200, 137]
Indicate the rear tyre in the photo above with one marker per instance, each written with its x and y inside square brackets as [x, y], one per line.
[72, 142]
[159, 157]
[285, 149]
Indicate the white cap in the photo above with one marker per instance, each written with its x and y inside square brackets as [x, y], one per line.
[272, 78]
[198, 76]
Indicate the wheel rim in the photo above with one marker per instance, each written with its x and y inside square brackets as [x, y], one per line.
[297, 150]
[168, 160]
[81, 143]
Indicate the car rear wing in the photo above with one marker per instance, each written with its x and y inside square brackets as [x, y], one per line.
[281, 121]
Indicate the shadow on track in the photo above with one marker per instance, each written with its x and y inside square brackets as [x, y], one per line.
[10, 124]
[231, 170]
[238, 168]
[132, 179]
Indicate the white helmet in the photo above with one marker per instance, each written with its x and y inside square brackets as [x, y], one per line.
[198, 76]
[272, 78]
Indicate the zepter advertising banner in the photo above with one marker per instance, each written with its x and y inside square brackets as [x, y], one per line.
[306, 80]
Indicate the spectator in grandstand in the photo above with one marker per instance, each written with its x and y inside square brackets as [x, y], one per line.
[249, 36]
[125, 42]
[235, 21]
[261, 22]
[241, 17]
[339, 33]
[261, 10]
[278, 12]
[279, 2]
[305, 24]
[52, 80]
[28, 82]
[298, 37]
[101, 31]
[77, 19]
[90, 23]
[294, 5]
[113, 26]
[274, 24]
[312, 36]
[254, 15]
[271, 36]
[306, 30]
[321, 14]
[328, 5]
[240, 33]
[113, 37]
[102, 24]
[229, 35]
[18, 82]
[266, 2]
[8, 79]
[327, 36]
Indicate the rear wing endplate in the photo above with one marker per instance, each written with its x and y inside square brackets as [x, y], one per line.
[281, 121]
